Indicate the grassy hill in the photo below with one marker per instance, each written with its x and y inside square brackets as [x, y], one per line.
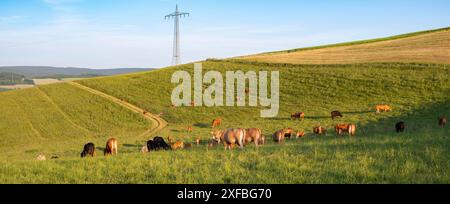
[419, 94]
[58, 119]
[420, 47]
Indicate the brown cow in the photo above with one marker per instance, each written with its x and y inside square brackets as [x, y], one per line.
[341, 128]
[111, 147]
[177, 145]
[384, 108]
[254, 135]
[300, 115]
[230, 137]
[319, 130]
[299, 134]
[279, 135]
[345, 128]
[442, 121]
[216, 122]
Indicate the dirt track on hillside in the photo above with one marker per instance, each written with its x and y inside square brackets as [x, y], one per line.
[157, 122]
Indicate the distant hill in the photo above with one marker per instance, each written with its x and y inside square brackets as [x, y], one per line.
[69, 72]
[9, 78]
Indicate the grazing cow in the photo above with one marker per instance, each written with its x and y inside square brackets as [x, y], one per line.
[288, 133]
[88, 150]
[300, 115]
[339, 129]
[157, 143]
[111, 147]
[144, 149]
[279, 135]
[442, 121]
[41, 158]
[345, 128]
[216, 122]
[400, 127]
[230, 137]
[384, 108]
[299, 134]
[177, 145]
[254, 135]
[336, 114]
[319, 130]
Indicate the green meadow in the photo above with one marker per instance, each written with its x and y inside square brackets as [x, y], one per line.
[59, 119]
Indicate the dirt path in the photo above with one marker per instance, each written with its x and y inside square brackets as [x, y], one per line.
[157, 122]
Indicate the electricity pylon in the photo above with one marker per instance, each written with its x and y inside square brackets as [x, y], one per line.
[176, 38]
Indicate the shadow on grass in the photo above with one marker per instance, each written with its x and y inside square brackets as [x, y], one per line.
[202, 125]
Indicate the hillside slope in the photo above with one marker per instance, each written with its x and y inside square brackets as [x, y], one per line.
[59, 119]
[418, 93]
[424, 47]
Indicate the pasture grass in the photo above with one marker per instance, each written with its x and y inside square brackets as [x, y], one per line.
[59, 119]
[387, 158]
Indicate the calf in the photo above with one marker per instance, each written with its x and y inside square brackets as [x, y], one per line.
[400, 127]
[41, 158]
[319, 130]
[216, 122]
[111, 147]
[299, 134]
[280, 135]
[345, 128]
[254, 135]
[88, 150]
[177, 145]
[384, 108]
[300, 115]
[442, 121]
[336, 114]
[288, 133]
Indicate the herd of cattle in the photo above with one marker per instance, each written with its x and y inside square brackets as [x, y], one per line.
[240, 137]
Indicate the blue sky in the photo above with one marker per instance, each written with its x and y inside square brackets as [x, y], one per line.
[133, 33]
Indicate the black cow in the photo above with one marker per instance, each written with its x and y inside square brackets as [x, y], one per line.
[88, 150]
[157, 143]
[400, 127]
[336, 114]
